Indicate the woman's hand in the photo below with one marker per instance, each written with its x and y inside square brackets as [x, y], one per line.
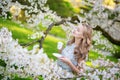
[72, 66]
[65, 60]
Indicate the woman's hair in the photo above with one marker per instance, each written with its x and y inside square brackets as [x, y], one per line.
[81, 50]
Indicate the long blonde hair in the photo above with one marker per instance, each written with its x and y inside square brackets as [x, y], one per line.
[82, 49]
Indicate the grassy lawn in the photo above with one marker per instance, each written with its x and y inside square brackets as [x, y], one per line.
[18, 32]
[50, 45]
[55, 31]
[21, 33]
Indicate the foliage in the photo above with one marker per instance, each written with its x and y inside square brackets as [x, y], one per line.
[94, 55]
[62, 7]
[101, 43]
[19, 78]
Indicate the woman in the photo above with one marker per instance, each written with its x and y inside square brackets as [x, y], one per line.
[74, 54]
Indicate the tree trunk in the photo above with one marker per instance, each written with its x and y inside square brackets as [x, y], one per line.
[112, 33]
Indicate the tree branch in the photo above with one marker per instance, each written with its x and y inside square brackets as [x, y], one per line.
[107, 35]
[47, 31]
[115, 20]
[41, 40]
[29, 43]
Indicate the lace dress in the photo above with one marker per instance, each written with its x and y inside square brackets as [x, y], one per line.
[68, 52]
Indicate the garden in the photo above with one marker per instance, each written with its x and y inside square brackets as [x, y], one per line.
[30, 31]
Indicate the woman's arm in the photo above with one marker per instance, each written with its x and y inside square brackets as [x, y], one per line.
[73, 67]
[69, 63]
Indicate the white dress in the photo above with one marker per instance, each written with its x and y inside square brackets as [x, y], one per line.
[68, 52]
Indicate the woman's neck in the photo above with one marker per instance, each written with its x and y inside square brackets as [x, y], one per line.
[77, 41]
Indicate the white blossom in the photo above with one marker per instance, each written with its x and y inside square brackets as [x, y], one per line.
[29, 63]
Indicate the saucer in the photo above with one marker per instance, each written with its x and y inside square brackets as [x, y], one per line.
[57, 55]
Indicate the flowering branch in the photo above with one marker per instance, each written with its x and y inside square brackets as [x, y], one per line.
[107, 35]
[115, 20]
[41, 40]
[47, 31]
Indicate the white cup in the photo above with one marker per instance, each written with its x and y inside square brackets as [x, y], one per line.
[59, 45]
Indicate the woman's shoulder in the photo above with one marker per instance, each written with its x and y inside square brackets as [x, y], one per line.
[68, 50]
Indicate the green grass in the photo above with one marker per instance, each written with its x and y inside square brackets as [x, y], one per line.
[50, 45]
[94, 55]
[18, 32]
[16, 77]
[56, 31]
[111, 58]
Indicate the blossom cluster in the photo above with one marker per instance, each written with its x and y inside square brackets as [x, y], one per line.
[34, 11]
[100, 40]
[103, 70]
[26, 63]
[36, 35]
[99, 15]
[35, 62]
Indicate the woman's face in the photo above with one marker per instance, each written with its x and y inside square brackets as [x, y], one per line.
[78, 31]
